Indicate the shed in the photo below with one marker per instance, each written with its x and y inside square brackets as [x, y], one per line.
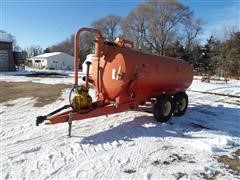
[6, 53]
[53, 61]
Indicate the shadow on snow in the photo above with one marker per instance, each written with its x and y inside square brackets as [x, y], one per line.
[222, 119]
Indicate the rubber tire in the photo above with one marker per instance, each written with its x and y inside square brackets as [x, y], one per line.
[178, 100]
[158, 108]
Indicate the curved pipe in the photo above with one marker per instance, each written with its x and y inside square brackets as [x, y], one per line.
[98, 48]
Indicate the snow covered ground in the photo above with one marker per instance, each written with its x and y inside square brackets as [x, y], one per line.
[127, 145]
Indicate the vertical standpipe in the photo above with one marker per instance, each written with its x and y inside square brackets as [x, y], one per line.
[98, 48]
[87, 76]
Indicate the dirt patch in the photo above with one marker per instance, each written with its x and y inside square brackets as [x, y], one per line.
[166, 162]
[9, 104]
[176, 157]
[192, 162]
[172, 159]
[231, 163]
[179, 175]
[46, 93]
[157, 162]
[46, 74]
[212, 176]
[237, 153]
[130, 171]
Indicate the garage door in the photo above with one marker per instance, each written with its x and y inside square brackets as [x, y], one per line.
[4, 60]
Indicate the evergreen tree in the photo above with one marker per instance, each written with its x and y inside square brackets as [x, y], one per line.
[232, 47]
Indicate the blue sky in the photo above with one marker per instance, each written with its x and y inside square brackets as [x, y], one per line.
[45, 23]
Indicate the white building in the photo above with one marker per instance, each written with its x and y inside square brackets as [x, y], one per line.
[84, 65]
[53, 61]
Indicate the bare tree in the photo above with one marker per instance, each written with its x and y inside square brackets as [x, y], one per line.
[164, 20]
[134, 26]
[64, 46]
[227, 31]
[108, 26]
[192, 28]
[33, 50]
[86, 43]
[156, 24]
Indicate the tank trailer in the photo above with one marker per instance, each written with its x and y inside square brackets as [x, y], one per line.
[124, 79]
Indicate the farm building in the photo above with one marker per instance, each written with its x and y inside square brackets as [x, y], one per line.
[53, 61]
[6, 53]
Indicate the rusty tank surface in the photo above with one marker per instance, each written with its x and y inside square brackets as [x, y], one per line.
[124, 79]
[140, 75]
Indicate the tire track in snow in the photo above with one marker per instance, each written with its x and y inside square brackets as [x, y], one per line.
[216, 94]
[95, 152]
[89, 162]
[110, 150]
[52, 137]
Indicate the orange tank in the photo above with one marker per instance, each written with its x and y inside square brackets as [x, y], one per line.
[125, 79]
[126, 72]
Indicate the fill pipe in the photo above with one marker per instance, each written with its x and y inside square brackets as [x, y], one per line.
[98, 47]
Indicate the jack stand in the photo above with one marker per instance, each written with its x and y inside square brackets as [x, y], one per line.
[69, 124]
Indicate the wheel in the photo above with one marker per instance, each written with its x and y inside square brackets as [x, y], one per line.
[163, 108]
[180, 102]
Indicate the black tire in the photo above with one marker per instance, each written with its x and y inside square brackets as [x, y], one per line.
[180, 102]
[163, 108]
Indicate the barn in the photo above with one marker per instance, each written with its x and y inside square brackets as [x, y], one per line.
[53, 61]
[6, 53]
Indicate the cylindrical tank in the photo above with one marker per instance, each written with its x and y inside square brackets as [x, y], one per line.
[124, 71]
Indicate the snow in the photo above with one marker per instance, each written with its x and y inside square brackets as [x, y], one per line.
[45, 55]
[127, 145]
[5, 37]
[217, 86]
[45, 80]
[22, 76]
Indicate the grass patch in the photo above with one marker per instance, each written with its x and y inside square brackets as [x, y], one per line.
[45, 93]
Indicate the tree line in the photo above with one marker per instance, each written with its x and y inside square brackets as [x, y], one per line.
[166, 28]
